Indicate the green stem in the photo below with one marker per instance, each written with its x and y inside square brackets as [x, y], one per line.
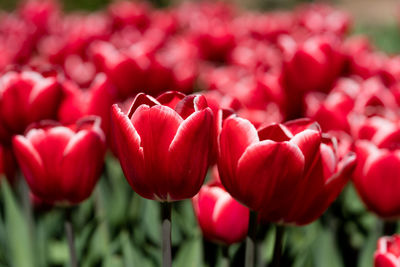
[166, 234]
[69, 232]
[251, 240]
[225, 256]
[279, 232]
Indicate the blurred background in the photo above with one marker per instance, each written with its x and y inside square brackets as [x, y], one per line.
[375, 18]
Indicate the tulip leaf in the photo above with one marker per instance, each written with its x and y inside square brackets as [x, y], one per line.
[113, 261]
[367, 251]
[190, 254]
[131, 256]
[325, 251]
[152, 220]
[18, 232]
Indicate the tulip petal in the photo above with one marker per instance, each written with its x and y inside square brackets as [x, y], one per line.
[231, 219]
[266, 172]
[386, 260]
[44, 100]
[130, 153]
[188, 154]
[170, 98]
[275, 132]
[332, 188]
[308, 141]
[31, 164]
[381, 184]
[236, 135]
[141, 99]
[156, 127]
[82, 164]
[190, 104]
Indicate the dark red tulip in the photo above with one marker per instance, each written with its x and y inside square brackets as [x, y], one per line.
[387, 253]
[363, 60]
[256, 167]
[331, 110]
[96, 100]
[377, 176]
[281, 164]
[312, 65]
[62, 164]
[25, 98]
[221, 218]
[129, 14]
[164, 144]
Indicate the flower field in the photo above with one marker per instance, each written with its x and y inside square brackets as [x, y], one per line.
[197, 134]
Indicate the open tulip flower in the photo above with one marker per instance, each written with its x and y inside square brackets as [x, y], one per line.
[388, 252]
[164, 144]
[36, 97]
[274, 168]
[62, 164]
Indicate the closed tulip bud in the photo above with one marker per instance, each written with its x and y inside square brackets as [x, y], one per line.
[387, 253]
[164, 144]
[377, 176]
[25, 98]
[62, 164]
[221, 218]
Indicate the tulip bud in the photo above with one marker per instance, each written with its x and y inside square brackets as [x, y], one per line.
[62, 164]
[164, 144]
[377, 178]
[221, 218]
[388, 252]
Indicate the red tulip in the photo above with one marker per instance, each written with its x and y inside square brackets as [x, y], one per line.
[312, 65]
[388, 252]
[26, 97]
[363, 60]
[62, 164]
[331, 110]
[377, 176]
[280, 165]
[97, 100]
[221, 218]
[126, 13]
[164, 144]
[321, 18]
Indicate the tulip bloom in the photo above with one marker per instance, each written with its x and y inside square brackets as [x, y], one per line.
[377, 176]
[62, 164]
[26, 97]
[280, 165]
[388, 252]
[221, 218]
[164, 144]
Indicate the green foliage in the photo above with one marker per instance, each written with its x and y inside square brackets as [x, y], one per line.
[116, 227]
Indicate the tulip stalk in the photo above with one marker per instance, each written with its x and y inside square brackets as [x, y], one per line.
[69, 232]
[251, 240]
[225, 256]
[278, 245]
[166, 234]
